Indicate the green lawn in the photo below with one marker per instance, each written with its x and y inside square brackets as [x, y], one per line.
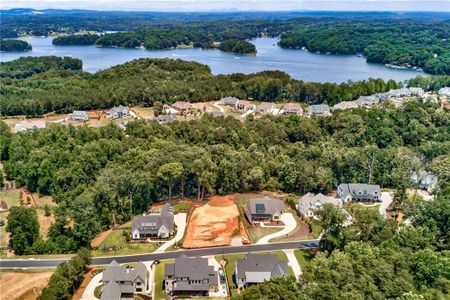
[359, 206]
[316, 228]
[98, 291]
[181, 207]
[304, 257]
[11, 197]
[117, 238]
[159, 278]
[258, 232]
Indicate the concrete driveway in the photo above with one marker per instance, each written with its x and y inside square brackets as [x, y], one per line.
[386, 200]
[216, 104]
[293, 263]
[180, 221]
[89, 291]
[289, 225]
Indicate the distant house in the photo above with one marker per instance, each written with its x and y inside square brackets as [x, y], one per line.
[425, 180]
[359, 192]
[190, 275]
[123, 125]
[264, 209]
[245, 105]
[265, 108]
[309, 204]
[164, 119]
[257, 268]
[118, 112]
[319, 110]
[120, 282]
[345, 105]
[292, 109]
[182, 106]
[445, 92]
[229, 101]
[154, 225]
[79, 116]
[416, 91]
[367, 101]
[29, 125]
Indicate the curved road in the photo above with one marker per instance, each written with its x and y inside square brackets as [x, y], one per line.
[46, 263]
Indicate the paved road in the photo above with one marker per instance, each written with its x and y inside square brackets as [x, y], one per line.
[43, 263]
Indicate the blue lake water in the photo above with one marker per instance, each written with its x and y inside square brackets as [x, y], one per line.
[299, 64]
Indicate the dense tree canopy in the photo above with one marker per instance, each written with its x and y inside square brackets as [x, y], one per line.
[75, 40]
[237, 46]
[406, 43]
[14, 45]
[104, 176]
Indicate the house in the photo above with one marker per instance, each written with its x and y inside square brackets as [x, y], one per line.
[345, 105]
[264, 209]
[309, 204]
[168, 110]
[182, 106]
[359, 192]
[319, 110]
[425, 180]
[257, 268]
[120, 282]
[292, 109]
[229, 101]
[190, 275]
[154, 225]
[118, 112]
[29, 125]
[265, 108]
[245, 105]
[416, 91]
[79, 116]
[445, 91]
[367, 101]
[164, 119]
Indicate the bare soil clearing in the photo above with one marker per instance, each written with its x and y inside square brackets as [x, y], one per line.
[214, 224]
[22, 285]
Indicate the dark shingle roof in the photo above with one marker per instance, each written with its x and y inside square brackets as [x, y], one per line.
[261, 263]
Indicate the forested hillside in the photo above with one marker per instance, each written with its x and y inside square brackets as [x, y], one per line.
[102, 176]
[405, 44]
[14, 45]
[36, 85]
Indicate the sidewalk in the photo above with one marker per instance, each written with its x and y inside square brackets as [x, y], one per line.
[293, 263]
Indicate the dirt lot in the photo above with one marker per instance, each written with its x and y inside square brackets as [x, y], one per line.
[214, 224]
[22, 285]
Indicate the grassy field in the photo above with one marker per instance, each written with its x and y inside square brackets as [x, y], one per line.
[144, 112]
[159, 278]
[316, 228]
[116, 238]
[181, 207]
[359, 206]
[11, 197]
[304, 257]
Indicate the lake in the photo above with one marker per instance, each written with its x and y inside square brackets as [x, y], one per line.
[299, 64]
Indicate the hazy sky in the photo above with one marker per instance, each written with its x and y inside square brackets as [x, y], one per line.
[211, 5]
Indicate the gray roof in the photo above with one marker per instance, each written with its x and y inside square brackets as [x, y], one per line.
[367, 100]
[229, 101]
[118, 273]
[265, 106]
[111, 291]
[313, 202]
[260, 267]
[318, 109]
[30, 125]
[194, 268]
[163, 119]
[119, 109]
[150, 224]
[80, 114]
[359, 190]
[263, 207]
